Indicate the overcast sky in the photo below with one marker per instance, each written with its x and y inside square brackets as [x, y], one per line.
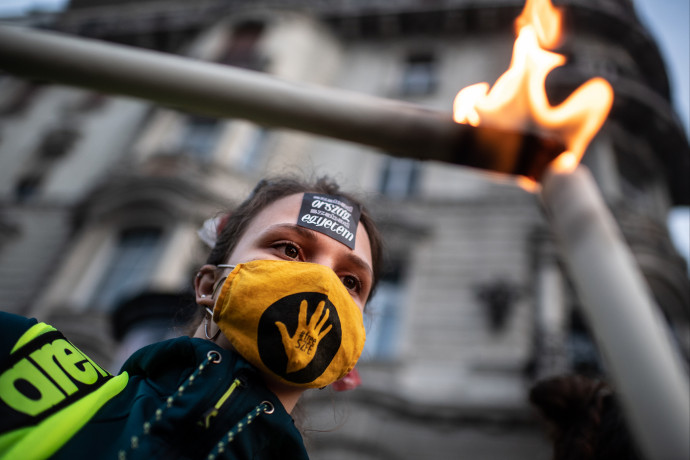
[669, 22]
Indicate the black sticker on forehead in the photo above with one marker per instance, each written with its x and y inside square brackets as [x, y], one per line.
[331, 215]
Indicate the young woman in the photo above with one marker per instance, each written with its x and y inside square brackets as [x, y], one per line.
[281, 297]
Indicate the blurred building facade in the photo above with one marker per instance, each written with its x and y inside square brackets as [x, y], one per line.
[101, 198]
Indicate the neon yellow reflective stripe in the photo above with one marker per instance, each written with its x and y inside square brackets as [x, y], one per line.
[33, 332]
[209, 414]
[227, 394]
[44, 439]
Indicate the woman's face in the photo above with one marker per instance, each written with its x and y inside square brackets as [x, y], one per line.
[274, 234]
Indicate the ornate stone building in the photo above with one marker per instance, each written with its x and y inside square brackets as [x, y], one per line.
[101, 198]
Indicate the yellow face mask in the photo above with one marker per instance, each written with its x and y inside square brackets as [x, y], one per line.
[293, 320]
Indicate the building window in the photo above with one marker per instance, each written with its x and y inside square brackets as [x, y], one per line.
[57, 142]
[200, 136]
[255, 149]
[28, 186]
[149, 317]
[399, 177]
[242, 49]
[130, 267]
[581, 349]
[90, 101]
[8, 231]
[383, 315]
[419, 77]
[20, 99]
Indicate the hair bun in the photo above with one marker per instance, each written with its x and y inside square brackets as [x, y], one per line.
[568, 401]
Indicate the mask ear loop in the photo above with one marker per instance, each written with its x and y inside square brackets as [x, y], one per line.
[208, 310]
[210, 315]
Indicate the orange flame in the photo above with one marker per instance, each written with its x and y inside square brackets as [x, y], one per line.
[518, 99]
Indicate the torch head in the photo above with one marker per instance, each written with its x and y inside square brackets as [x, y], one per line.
[518, 153]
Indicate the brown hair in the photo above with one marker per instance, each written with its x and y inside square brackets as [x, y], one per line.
[584, 418]
[269, 190]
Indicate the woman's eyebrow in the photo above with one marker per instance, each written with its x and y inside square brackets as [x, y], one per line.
[311, 235]
[303, 232]
[358, 261]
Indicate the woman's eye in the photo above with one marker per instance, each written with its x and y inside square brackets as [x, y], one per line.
[350, 282]
[291, 251]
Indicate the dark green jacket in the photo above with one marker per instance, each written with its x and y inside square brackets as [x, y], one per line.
[184, 398]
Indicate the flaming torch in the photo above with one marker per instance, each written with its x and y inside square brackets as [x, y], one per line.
[627, 325]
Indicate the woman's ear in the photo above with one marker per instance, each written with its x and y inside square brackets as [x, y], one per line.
[204, 282]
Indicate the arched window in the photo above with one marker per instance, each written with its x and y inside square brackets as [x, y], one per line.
[129, 268]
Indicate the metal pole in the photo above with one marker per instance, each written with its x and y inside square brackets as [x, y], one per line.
[395, 127]
[646, 369]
